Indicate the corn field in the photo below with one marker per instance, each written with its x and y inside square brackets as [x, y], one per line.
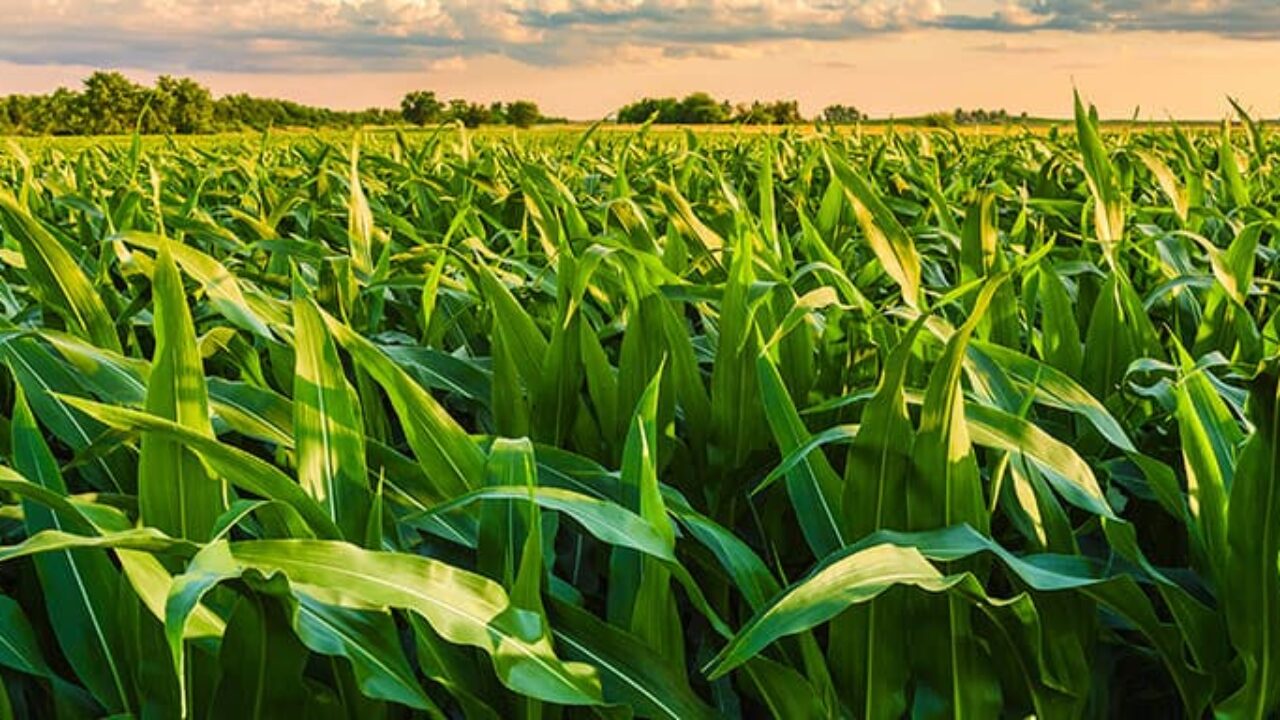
[642, 424]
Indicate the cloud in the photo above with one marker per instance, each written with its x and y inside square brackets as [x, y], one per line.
[323, 36]
[371, 35]
[246, 35]
[1244, 19]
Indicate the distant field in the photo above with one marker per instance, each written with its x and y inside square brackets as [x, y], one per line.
[1034, 125]
[725, 423]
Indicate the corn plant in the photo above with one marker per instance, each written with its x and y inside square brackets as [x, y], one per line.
[651, 424]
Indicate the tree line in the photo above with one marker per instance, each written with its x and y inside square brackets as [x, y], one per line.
[701, 108]
[422, 107]
[108, 103]
[961, 116]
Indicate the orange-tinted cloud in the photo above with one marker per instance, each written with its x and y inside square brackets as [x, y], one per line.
[582, 58]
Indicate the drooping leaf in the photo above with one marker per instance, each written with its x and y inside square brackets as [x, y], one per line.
[463, 607]
[57, 277]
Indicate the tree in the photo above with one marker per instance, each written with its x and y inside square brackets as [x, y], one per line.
[662, 110]
[421, 107]
[111, 103]
[497, 113]
[842, 114]
[181, 105]
[784, 112]
[981, 116]
[777, 112]
[940, 120]
[753, 114]
[523, 113]
[469, 114]
[701, 109]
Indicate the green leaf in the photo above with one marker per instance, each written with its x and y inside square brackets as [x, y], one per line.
[1055, 389]
[1251, 583]
[1104, 186]
[737, 419]
[239, 302]
[886, 236]
[175, 493]
[452, 462]
[42, 375]
[1210, 439]
[856, 578]
[813, 486]
[606, 521]
[19, 648]
[245, 471]
[464, 608]
[785, 692]
[327, 425]
[1061, 334]
[261, 662]
[1168, 183]
[886, 559]
[143, 539]
[877, 472]
[632, 673]
[946, 487]
[57, 278]
[359, 217]
[653, 616]
[369, 640]
[1229, 169]
[79, 586]
[1069, 474]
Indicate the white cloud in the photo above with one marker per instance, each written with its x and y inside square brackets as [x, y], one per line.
[379, 35]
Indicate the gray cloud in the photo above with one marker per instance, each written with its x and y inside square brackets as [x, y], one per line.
[371, 35]
[1245, 19]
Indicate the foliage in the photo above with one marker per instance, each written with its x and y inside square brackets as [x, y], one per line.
[245, 112]
[701, 109]
[842, 114]
[522, 113]
[982, 117]
[780, 112]
[421, 107]
[112, 104]
[650, 424]
[697, 108]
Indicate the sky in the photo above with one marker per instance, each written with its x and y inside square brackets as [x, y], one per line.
[584, 58]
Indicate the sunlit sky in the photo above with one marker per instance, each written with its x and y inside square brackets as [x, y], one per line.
[584, 58]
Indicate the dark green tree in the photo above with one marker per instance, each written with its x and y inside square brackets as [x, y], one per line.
[421, 107]
[778, 112]
[662, 110]
[523, 113]
[111, 104]
[181, 105]
[842, 114]
[469, 114]
[701, 109]
[497, 113]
